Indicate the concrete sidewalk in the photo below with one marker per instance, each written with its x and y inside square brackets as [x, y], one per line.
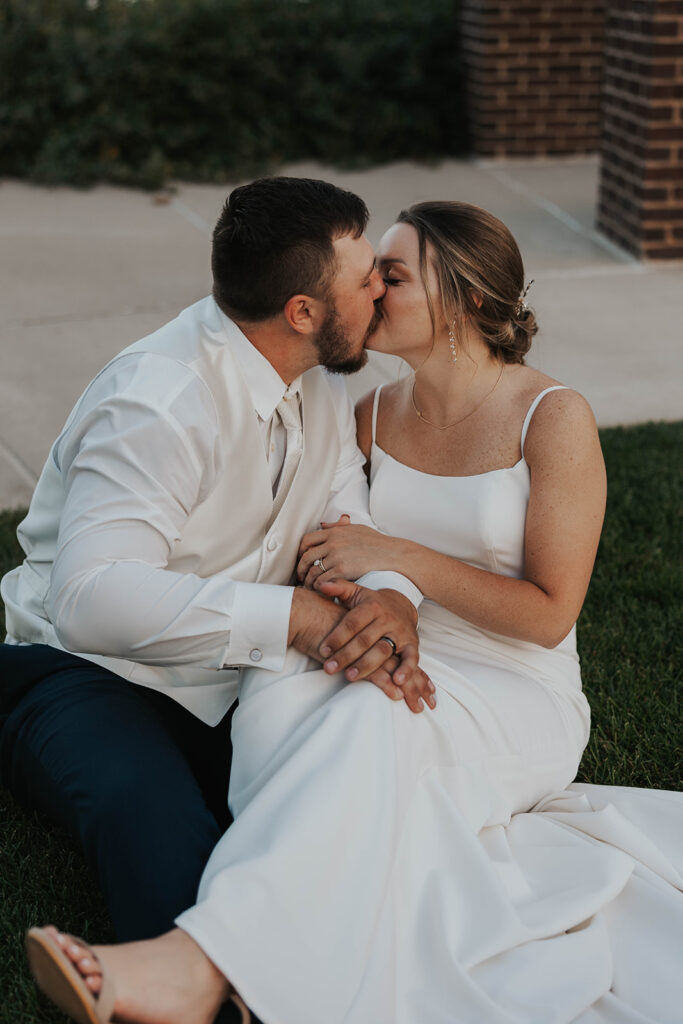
[83, 274]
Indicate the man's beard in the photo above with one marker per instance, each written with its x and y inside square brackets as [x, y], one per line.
[333, 345]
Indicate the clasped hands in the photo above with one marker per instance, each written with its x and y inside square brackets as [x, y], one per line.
[350, 636]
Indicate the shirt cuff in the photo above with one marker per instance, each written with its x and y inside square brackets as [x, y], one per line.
[260, 626]
[384, 579]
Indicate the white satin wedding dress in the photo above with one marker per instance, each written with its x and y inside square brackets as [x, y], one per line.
[391, 868]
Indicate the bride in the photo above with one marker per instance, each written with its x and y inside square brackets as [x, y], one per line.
[395, 868]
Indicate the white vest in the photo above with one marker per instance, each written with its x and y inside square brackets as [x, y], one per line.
[249, 545]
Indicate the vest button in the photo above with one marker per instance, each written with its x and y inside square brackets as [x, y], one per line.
[272, 543]
[255, 654]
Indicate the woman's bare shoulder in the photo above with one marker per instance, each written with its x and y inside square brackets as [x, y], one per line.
[364, 407]
[529, 382]
[364, 410]
[563, 426]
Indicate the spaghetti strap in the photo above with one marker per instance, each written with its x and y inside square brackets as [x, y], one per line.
[375, 407]
[532, 410]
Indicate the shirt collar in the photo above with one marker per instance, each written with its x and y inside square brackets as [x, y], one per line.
[264, 384]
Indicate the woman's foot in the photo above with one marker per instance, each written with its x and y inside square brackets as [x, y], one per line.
[168, 980]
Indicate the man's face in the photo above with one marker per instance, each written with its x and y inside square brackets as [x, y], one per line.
[352, 316]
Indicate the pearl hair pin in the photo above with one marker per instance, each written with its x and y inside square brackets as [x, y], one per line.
[521, 306]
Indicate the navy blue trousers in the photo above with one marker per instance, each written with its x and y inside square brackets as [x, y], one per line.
[136, 779]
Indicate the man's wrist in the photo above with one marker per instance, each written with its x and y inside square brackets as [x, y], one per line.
[312, 617]
[294, 617]
[301, 612]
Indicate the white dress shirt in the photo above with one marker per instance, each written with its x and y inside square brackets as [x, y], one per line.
[141, 456]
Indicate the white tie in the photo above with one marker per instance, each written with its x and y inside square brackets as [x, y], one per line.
[288, 410]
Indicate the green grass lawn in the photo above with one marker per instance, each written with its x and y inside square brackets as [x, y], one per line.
[629, 638]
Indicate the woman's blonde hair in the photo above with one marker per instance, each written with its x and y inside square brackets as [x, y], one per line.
[475, 258]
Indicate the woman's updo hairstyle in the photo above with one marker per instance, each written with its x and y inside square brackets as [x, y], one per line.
[475, 256]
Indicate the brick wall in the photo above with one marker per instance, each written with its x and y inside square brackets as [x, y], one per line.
[533, 75]
[640, 203]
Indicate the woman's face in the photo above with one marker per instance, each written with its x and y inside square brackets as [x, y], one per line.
[406, 327]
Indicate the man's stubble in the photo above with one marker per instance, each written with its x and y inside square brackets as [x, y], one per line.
[335, 350]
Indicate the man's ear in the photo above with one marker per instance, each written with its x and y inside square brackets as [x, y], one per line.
[303, 313]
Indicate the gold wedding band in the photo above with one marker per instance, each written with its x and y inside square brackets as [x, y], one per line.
[389, 641]
[320, 563]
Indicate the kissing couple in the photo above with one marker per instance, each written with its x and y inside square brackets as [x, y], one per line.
[408, 846]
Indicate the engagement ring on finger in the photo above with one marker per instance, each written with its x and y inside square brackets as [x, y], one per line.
[389, 641]
[320, 562]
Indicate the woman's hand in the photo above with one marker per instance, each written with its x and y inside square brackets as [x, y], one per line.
[346, 552]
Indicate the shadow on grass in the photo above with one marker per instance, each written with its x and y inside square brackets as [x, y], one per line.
[629, 641]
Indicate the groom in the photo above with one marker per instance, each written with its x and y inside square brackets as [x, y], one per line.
[162, 539]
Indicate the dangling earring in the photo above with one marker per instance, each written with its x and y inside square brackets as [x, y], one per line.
[451, 338]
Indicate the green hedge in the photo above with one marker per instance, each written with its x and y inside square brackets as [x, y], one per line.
[137, 92]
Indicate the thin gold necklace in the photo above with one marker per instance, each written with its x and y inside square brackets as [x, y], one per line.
[420, 415]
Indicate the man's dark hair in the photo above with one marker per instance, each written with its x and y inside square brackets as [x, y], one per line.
[274, 239]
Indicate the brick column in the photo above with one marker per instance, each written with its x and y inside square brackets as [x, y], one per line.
[533, 72]
[640, 204]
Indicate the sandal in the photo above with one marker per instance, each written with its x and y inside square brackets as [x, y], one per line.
[61, 982]
[58, 978]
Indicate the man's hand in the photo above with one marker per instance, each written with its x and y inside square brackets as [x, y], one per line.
[314, 618]
[361, 642]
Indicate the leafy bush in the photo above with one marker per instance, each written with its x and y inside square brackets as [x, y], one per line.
[136, 92]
